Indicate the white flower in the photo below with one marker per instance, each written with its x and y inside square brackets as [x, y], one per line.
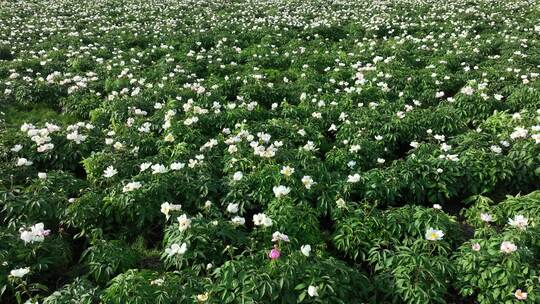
[353, 178]
[169, 138]
[145, 166]
[332, 128]
[166, 208]
[519, 132]
[27, 236]
[451, 157]
[23, 162]
[437, 206]
[177, 166]
[467, 90]
[131, 186]
[238, 220]
[308, 181]
[287, 171]
[76, 137]
[355, 148]
[262, 219]
[20, 272]
[264, 136]
[508, 247]
[159, 168]
[45, 147]
[232, 208]
[42, 175]
[312, 291]
[305, 249]
[136, 92]
[341, 203]
[520, 295]
[381, 160]
[203, 297]
[37, 233]
[183, 222]
[110, 172]
[238, 176]
[434, 234]
[176, 249]
[16, 148]
[486, 217]
[519, 221]
[278, 236]
[267, 222]
[310, 146]
[280, 191]
[158, 282]
[495, 149]
[445, 147]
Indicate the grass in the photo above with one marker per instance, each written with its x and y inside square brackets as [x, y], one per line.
[16, 115]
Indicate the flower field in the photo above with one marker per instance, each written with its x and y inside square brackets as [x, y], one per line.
[269, 151]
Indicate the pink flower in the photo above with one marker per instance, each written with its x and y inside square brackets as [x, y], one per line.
[476, 247]
[274, 254]
[508, 247]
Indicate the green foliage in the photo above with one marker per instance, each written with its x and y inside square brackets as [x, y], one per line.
[207, 242]
[145, 286]
[412, 274]
[106, 259]
[368, 228]
[287, 280]
[168, 151]
[493, 276]
[42, 200]
[78, 291]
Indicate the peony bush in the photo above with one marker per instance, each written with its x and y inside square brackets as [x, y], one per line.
[269, 151]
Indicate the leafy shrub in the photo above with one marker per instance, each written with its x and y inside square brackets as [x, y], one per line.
[206, 241]
[492, 276]
[269, 152]
[105, 259]
[146, 286]
[43, 200]
[412, 274]
[367, 228]
[287, 280]
[78, 291]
